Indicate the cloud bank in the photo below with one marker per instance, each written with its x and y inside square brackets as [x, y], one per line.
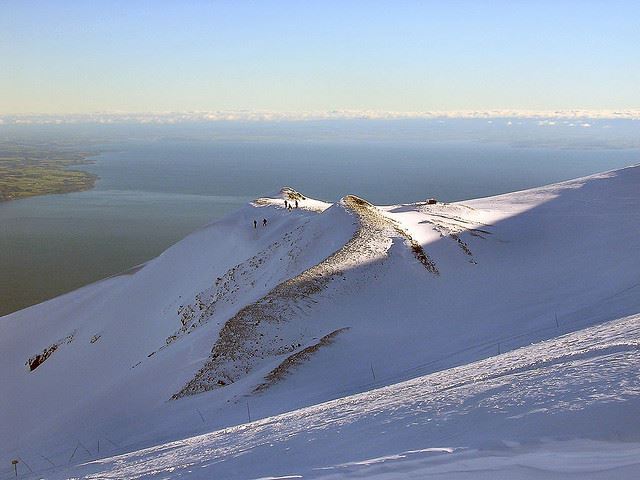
[167, 118]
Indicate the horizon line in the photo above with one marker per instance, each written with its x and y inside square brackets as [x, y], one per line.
[203, 116]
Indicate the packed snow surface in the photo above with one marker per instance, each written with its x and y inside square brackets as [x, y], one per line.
[491, 338]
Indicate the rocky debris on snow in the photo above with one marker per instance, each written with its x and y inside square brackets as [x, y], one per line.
[35, 361]
[226, 288]
[291, 194]
[295, 359]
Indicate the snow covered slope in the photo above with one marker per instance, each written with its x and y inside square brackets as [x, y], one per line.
[324, 301]
[475, 421]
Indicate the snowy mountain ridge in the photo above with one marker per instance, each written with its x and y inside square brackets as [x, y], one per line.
[320, 302]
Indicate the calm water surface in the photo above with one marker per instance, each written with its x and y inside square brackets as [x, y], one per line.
[152, 194]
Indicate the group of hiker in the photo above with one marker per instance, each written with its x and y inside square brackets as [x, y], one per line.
[287, 205]
[264, 223]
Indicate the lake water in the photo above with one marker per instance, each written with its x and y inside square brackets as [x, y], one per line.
[152, 193]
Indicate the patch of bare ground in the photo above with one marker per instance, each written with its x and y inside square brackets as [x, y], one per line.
[291, 194]
[419, 252]
[463, 245]
[38, 359]
[254, 333]
[422, 257]
[263, 201]
[294, 360]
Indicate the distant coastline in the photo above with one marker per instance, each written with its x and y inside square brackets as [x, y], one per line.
[29, 171]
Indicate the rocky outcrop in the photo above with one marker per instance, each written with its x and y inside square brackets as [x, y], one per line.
[38, 359]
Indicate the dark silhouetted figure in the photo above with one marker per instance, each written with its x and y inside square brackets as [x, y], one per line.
[286, 205]
[264, 222]
[296, 203]
[289, 207]
[255, 224]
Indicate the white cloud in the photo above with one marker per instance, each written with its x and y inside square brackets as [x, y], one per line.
[544, 117]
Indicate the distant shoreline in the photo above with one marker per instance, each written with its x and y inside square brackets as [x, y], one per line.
[32, 171]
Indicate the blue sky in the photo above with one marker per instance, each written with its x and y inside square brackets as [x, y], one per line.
[155, 56]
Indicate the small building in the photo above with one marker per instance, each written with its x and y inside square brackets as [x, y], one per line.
[432, 201]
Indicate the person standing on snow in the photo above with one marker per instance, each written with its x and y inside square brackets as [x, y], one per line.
[255, 224]
[285, 205]
[296, 203]
[264, 222]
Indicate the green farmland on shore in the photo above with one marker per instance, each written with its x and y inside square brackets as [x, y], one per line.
[26, 171]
